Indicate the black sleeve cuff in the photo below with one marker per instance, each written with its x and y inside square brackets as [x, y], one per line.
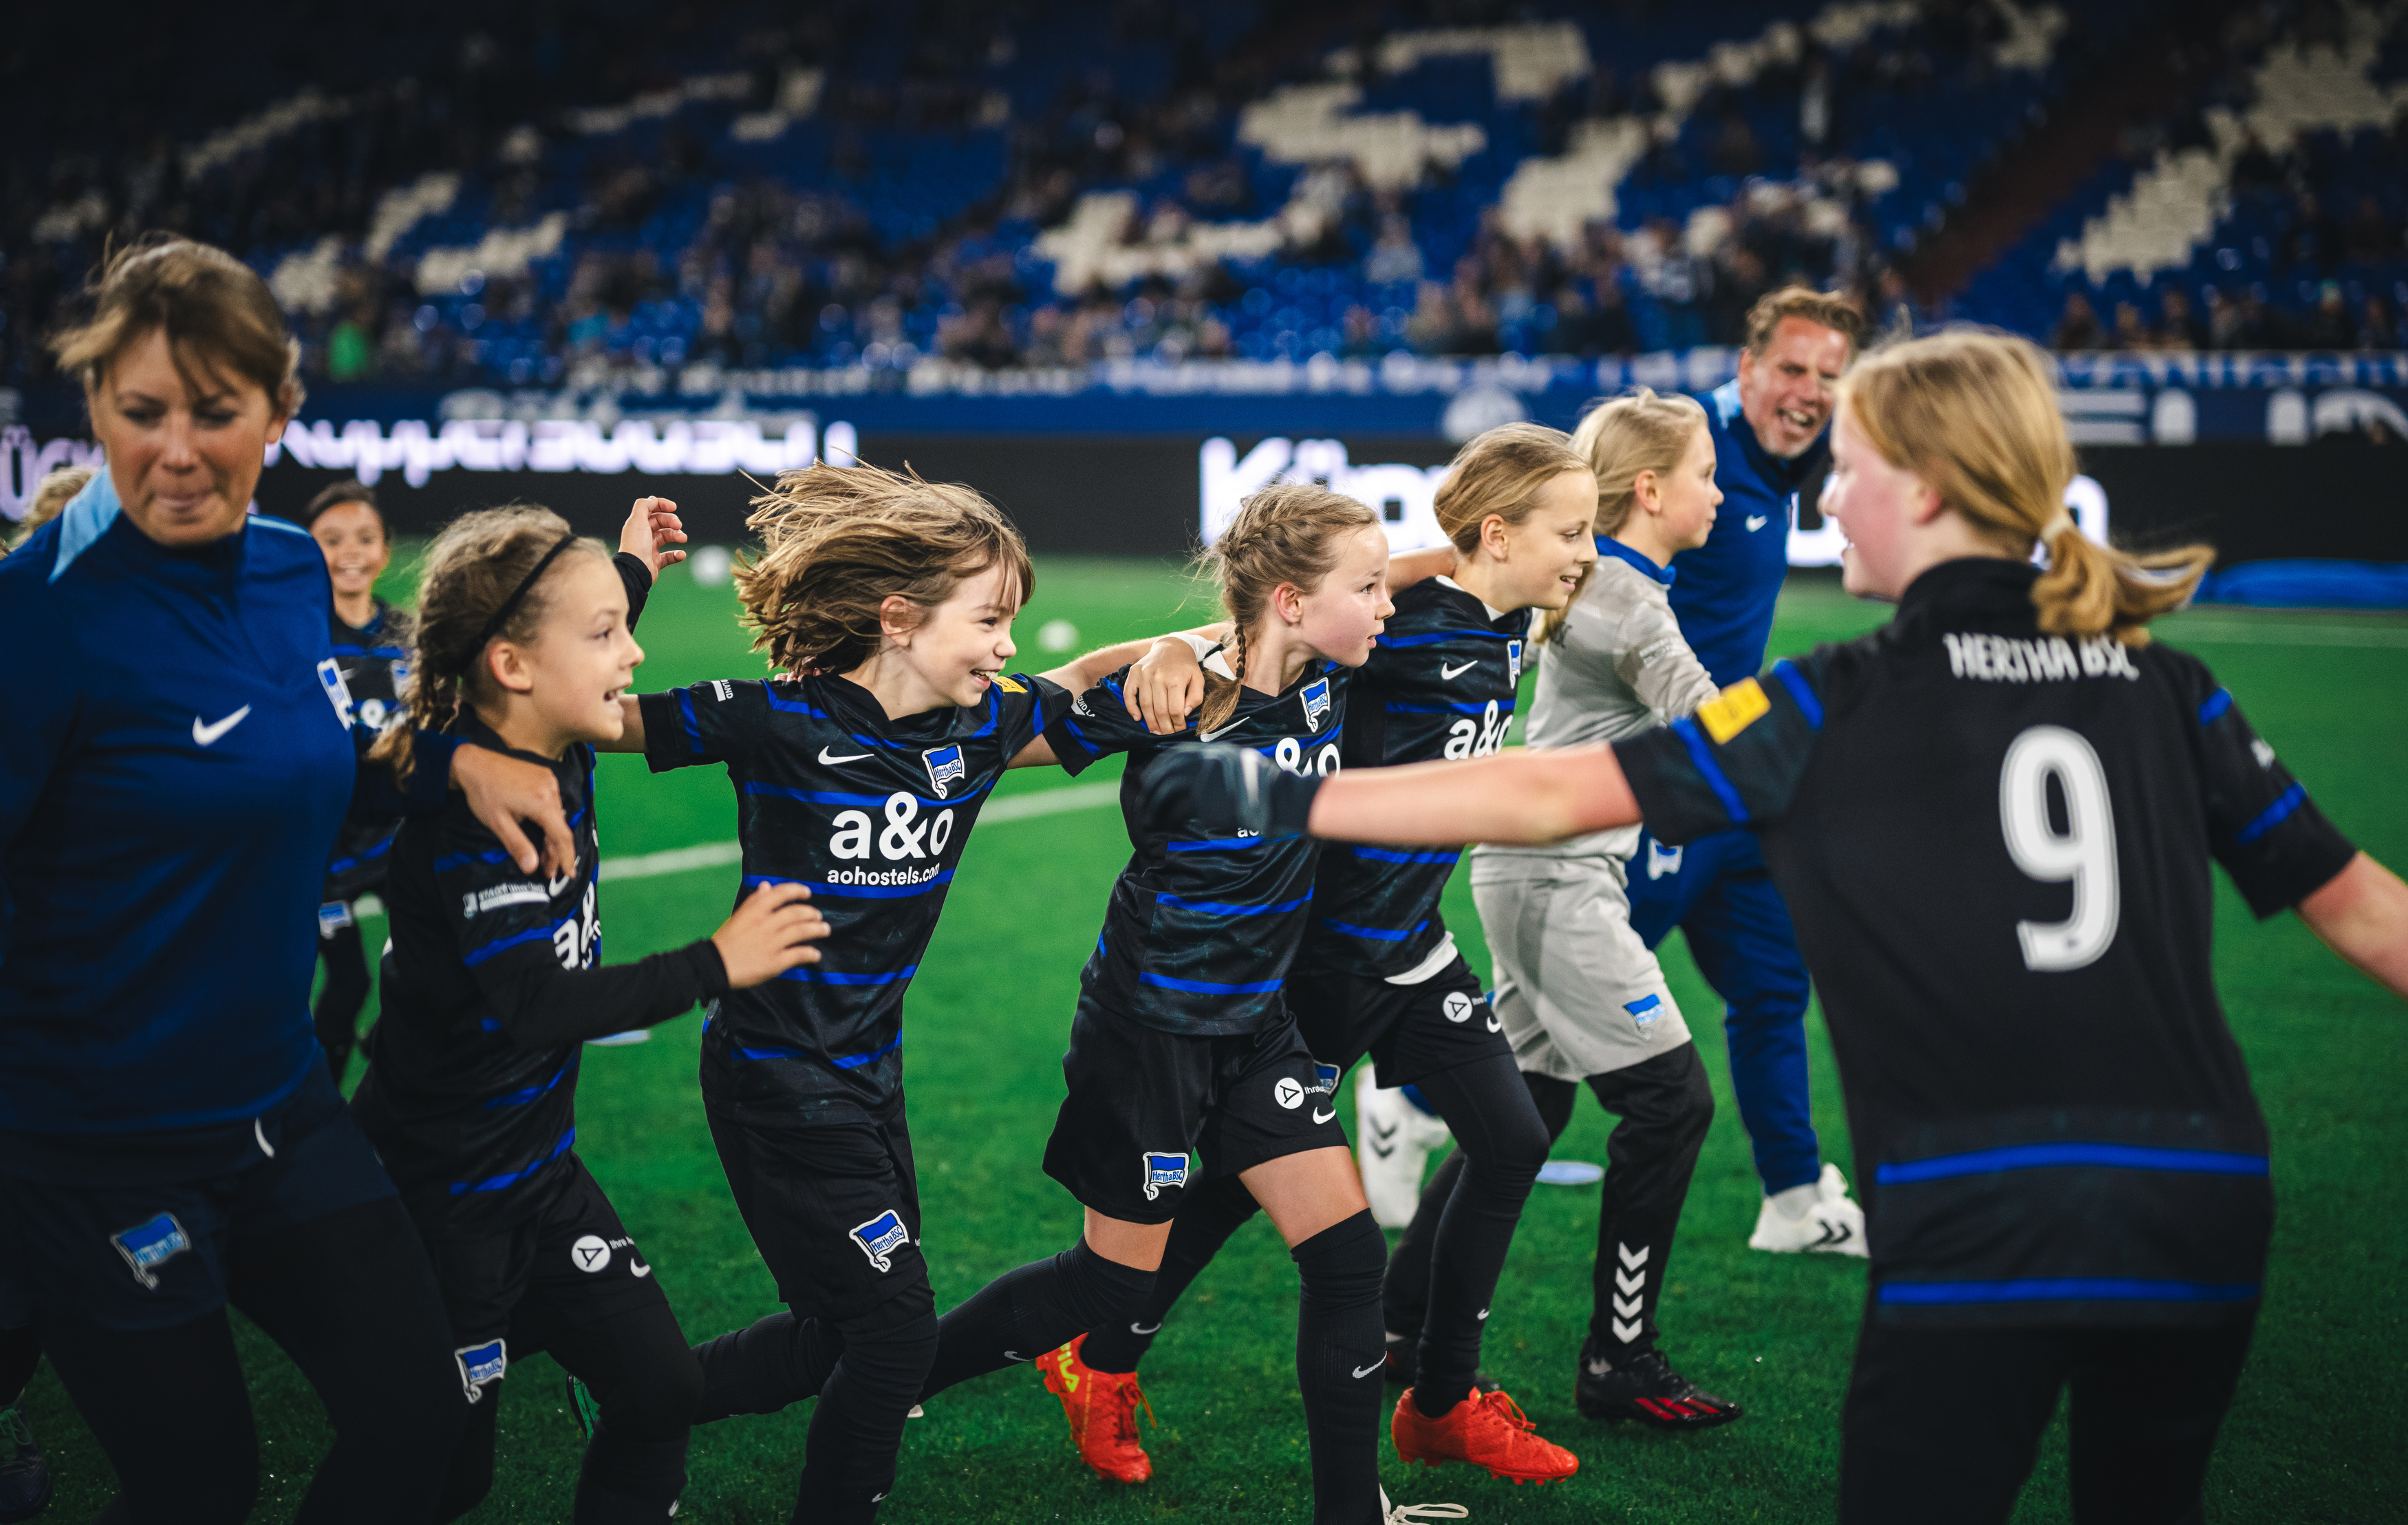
[638, 576]
[667, 742]
[1674, 800]
[709, 969]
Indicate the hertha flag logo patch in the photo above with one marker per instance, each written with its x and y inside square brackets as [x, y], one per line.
[881, 1237]
[1164, 1171]
[1513, 661]
[945, 766]
[146, 1245]
[481, 1364]
[1316, 703]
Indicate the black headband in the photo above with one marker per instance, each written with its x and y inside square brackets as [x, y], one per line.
[494, 625]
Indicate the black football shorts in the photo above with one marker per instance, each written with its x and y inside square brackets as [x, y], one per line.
[1410, 1030]
[1151, 1112]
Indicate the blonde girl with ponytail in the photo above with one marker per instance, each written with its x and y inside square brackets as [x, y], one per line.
[1995, 821]
[1377, 971]
[1184, 1058]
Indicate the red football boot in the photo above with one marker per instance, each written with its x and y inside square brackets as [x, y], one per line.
[1102, 1410]
[1487, 1430]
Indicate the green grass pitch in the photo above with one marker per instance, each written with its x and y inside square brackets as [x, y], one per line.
[2313, 1437]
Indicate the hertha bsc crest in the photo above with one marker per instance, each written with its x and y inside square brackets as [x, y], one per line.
[945, 766]
[1164, 1171]
[881, 1237]
[1316, 703]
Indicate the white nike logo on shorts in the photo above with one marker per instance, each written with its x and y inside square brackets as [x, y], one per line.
[852, 757]
[1321, 1116]
[640, 1271]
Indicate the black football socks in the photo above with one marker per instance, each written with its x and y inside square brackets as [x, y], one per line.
[1211, 1215]
[1022, 1313]
[1338, 1356]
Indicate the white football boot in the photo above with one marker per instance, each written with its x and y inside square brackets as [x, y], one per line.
[1817, 1219]
[1394, 1140]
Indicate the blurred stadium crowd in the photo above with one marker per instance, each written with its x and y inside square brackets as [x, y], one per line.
[534, 194]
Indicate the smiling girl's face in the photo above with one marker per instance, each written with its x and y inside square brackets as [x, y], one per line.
[1337, 619]
[183, 460]
[1539, 562]
[961, 646]
[352, 537]
[564, 685]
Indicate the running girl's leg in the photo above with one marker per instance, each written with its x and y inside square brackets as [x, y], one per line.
[1405, 1294]
[645, 1382]
[1315, 1199]
[836, 1215]
[1049, 1302]
[1217, 1209]
[1501, 1141]
[346, 991]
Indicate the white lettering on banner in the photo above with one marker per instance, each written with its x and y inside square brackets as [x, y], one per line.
[667, 447]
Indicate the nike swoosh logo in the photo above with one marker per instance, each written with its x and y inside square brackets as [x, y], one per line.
[1454, 672]
[1496, 1025]
[641, 1270]
[854, 757]
[204, 735]
[1009, 1355]
[1214, 736]
[1145, 1329]
[1367, 1371]
[1484, 1315]
[1321, 1116]
[1756, 522]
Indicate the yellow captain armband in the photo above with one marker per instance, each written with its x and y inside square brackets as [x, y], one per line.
[1005, 684]
[1733, 709]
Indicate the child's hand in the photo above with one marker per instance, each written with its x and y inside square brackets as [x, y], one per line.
[769, 934]
[1164, 687]
[652, 525]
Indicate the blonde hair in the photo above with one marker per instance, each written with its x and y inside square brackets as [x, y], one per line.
[1638, 431]
[1825, 310]
[1499, 473]
[52, 494]
[838, 541]
[472, 569]
[1973, 414]
[1286, 533]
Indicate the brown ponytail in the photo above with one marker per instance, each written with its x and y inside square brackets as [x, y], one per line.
[1286, 533]
[1973, 412]
[472, 569]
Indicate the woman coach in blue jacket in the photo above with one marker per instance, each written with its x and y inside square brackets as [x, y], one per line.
[177, 756]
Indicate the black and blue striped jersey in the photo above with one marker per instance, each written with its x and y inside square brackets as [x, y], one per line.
[374, 660]
[491, 988]
[1996, 843]
[1440, 683]
[1202, 925]
[872, 814]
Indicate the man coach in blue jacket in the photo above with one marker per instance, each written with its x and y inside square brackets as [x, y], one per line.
[1770, 428]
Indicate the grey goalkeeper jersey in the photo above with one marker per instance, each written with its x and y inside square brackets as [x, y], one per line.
[1618, 667]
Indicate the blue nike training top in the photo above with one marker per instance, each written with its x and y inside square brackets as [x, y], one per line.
[176, 759]
[1728, 585]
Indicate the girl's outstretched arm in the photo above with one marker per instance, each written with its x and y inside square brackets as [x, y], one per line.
[1515, 797]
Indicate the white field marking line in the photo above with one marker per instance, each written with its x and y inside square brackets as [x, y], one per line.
[712, 854]
[2240, 633]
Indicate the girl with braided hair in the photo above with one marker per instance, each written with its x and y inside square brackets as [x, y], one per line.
[493, 984]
